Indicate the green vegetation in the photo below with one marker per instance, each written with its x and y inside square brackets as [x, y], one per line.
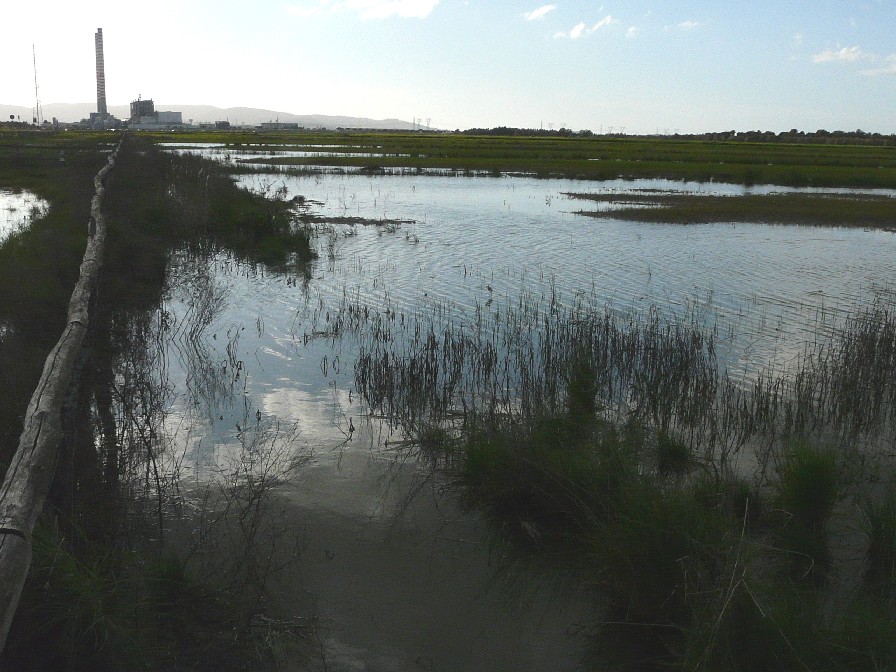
[823, 209]
[197, 204]
[808, 488]
[94, 607]
[591, 158]
[714, 519]
[880, 527]
[105, 592]
[40, 265]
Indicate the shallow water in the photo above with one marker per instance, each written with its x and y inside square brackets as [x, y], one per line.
[401, 578]
[17, 210]
[480, 238]
[418, 591]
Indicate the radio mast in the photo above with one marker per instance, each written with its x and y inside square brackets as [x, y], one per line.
[37, 115]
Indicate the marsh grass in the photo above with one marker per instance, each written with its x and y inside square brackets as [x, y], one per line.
[820, 209]
[102, 608]
[40, 264]
[593, 158]
[880, 527]
[808, 487]
[195, 203]
[615, 442]
[673, 456]
[106, 591]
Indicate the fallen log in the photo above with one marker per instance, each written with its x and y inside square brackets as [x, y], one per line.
[27, 481]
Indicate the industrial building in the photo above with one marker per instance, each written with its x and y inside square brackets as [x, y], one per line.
[142, 108]
[145, 117]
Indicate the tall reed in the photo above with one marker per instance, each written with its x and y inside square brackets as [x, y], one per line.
[618, 439]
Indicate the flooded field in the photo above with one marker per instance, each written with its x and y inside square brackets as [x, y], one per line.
[475, 239]
[401, 577]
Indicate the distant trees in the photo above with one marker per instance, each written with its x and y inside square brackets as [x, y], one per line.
[527, 132]
[821, 136]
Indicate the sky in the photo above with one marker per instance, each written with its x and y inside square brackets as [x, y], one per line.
[634, 66]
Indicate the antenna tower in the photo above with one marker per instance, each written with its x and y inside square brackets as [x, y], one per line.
[37, 114]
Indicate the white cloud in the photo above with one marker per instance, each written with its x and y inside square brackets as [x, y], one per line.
[846, 54]
[606, 21]
[577, 31]
[632, 32]
[581, 29]
[684, 25]
[368, 9]
[539, 13]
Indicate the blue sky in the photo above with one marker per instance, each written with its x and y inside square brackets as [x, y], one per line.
[634, 66]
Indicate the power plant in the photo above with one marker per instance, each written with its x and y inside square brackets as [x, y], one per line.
[100, 75]
[143, 113]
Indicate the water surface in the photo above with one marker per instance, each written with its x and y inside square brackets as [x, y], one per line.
[401, 577]
[17, 210]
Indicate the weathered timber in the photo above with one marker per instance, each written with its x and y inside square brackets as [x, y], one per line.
[28, 479]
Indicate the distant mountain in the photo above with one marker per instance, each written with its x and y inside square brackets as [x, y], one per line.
[237, 116]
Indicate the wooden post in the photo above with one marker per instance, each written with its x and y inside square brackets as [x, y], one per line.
[28, 479]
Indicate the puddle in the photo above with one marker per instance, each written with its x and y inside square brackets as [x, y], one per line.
[18, 210]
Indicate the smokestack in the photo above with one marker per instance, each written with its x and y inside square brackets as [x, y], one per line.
[100, 75]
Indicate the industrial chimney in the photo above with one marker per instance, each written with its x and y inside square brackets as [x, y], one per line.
[100, 76]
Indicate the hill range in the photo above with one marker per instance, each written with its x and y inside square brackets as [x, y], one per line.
[237, 116]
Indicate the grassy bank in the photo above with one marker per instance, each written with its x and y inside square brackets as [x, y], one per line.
[40, 264]
[594, 158]
[822, 209]
[105, 592]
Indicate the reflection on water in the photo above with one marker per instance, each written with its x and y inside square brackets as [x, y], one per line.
[231, 154]
[411, 591]
[478, 238]
[18, 210]
[395, 572]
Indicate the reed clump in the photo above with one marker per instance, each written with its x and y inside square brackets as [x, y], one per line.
[808, 487]
[195, 203]
[707, 510]
[879, 511]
